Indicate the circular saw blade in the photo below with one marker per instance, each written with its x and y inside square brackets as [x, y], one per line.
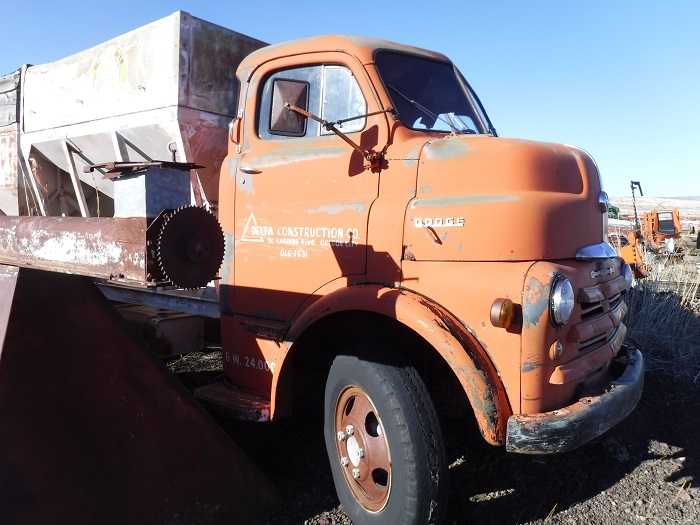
[190, 247]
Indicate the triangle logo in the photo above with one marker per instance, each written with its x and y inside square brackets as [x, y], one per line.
[251, 224]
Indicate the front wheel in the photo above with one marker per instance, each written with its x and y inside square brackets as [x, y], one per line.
[384, 441]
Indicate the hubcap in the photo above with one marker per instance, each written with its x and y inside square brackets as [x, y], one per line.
[368, 471]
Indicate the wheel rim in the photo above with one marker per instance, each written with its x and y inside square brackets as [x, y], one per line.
[362, 448]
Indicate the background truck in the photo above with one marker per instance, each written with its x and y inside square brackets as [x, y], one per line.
[381, 253]
[639, 241]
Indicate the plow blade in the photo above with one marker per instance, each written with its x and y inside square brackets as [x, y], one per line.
[94, 428]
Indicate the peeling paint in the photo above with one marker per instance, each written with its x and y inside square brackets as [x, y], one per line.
[447, 148]
[70, 247]
[456, 200]
[476, 379]
[414, 152]
[334, 209]
[531, 365]
[244, 182]
[84, 246]
[232, 167]
[107, 248]
[291, 156]
[573, 425]
[536, 302]
[226, 271]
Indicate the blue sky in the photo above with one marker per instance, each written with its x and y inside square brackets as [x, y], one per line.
[621, 79]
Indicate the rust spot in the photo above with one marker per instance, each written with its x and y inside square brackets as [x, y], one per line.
[531, 365]
[535, 302]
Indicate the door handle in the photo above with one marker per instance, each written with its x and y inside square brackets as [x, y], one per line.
[249, 170]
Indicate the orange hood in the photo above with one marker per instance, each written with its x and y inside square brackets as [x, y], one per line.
[483, 198]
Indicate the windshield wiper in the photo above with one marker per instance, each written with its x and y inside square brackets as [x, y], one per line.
[424, 109]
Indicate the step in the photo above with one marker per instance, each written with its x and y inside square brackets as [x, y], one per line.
[239, 403]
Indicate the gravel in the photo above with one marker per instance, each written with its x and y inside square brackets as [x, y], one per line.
[645, 470]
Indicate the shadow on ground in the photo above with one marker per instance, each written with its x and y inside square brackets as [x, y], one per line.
[491, 486]
[636, 469]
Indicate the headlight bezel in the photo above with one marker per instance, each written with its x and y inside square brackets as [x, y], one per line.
[562, 301]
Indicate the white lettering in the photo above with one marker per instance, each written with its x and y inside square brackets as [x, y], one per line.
[296, 254]
[260, 230]
[256, 364]
[232, 358]
[444, 222]
[600, 273]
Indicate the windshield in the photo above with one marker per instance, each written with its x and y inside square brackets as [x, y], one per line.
[430, 95]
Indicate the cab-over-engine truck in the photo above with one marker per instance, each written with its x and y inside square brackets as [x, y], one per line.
[380, 235]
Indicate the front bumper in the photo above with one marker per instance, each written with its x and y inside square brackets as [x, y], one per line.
[574, 425]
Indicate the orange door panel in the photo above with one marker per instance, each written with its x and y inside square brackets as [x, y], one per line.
[302, 202]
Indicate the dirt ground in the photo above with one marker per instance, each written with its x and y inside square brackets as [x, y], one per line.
[645, 470]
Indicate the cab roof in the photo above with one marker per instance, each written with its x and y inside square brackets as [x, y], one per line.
[361, 47]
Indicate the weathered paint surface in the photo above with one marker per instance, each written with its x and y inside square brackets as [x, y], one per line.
[129, 99]
[445, 149]
[10, 170]
[334, 209]
[458, 200]
[287, 156]
[131, 250]
[586, 344]
[445, 333]
[567, 428]
[107, 248]
[309, 227]
[526, 192]
[312, 227]
[536, 302]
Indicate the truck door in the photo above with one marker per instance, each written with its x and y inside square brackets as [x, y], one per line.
[303, 198]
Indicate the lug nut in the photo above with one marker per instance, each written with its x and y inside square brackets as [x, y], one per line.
[344, 461]
[350, 430]
[360, 452]
[341, 435]
[356, 473]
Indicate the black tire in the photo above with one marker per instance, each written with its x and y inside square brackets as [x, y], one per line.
[389, 468]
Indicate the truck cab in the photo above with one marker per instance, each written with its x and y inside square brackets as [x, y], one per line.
[380, 233]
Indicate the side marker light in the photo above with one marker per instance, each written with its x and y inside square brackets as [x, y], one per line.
[502, 313]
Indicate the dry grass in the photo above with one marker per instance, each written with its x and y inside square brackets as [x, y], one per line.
[209, 361]
[664, 317]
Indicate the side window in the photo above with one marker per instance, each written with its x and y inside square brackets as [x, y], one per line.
[333, 95]
[342, 99]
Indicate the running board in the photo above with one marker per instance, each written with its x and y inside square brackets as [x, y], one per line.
[237, 403]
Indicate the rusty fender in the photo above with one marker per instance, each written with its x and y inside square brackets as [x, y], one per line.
[459, 348]
[572, 426]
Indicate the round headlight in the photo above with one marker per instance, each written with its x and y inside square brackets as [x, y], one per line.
[561, 301]
[627, 275]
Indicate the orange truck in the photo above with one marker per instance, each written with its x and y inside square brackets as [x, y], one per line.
[661, 225]
[387, 255]
[379, 232]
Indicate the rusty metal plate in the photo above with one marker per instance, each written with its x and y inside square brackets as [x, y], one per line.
[94, 429]
[112, 249]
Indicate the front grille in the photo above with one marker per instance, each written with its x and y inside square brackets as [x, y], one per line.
[601, 314]
[589, 310]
